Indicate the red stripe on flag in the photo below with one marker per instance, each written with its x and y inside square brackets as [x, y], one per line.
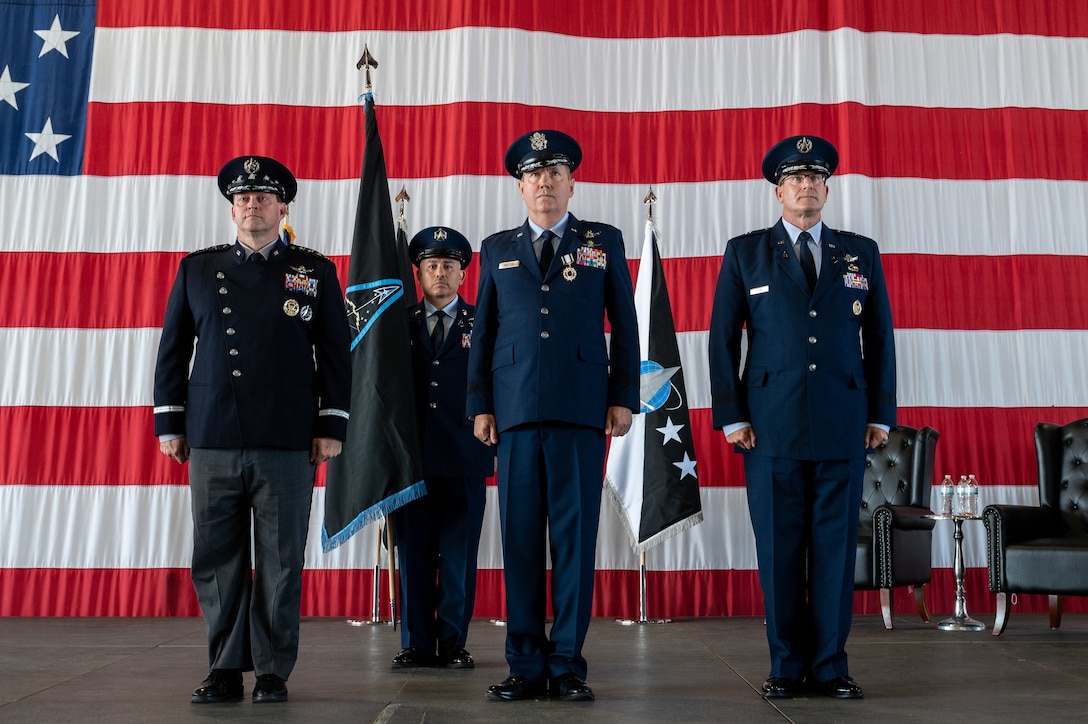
[116, 445]
[1004, 454]
[89, 446]
[927, 291]
[348, 593]
[727, 144]
[613, 18]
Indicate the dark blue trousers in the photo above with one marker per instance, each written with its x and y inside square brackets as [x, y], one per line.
[438, 537]
[805, 518]
[549, 478]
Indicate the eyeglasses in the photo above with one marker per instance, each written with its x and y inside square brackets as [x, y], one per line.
[814, 179]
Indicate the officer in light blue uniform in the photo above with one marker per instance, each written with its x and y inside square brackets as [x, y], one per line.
[255, 409]
[545, 387]
[438, 535]
[816, 389]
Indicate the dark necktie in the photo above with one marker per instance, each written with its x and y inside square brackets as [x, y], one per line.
[546, 251]
[808, 265]
[256, 257]
[439, 331]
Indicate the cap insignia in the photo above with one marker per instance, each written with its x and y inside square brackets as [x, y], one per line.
[251, 166]
[538, 141]
[804, 145]
[440, 235]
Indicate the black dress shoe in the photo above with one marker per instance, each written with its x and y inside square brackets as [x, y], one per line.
[569, 687]
[780, 687]
[413, 659]
[515, 688]
[458, 659]
[842, 687]
[221, 685]
[269, 689]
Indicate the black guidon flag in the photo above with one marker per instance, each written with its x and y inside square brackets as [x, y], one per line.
[651, 470]
[380, 469]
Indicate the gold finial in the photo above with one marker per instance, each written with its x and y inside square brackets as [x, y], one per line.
[402, 198]
[650, 200]
[368, 62]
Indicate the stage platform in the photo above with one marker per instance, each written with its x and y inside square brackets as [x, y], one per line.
[692, 670]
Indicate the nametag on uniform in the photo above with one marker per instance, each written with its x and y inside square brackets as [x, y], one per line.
[855, 281]
[509, 264]
[759, 290]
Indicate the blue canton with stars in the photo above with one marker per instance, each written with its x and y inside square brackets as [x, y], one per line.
[45, 75]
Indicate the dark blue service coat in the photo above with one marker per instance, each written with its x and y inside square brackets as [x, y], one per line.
[449, 448]
[810, 384]
[538, 345]
[272, 362]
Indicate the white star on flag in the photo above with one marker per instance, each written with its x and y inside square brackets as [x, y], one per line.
[687, 467]
[55, 38]
[8, 88]
[671, 431]
[47, 141]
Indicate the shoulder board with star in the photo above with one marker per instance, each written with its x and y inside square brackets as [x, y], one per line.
[318, 254]
[219, 247]
[754, 232]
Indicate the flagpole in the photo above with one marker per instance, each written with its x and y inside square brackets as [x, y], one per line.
[389, 545]
[642, 607]
[375, 609]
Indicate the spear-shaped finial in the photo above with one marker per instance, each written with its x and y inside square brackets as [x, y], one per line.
[650, 200]
[402, 198]
[368, 62]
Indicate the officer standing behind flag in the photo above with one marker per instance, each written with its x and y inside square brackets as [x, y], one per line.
[265, 402]
[817, 388]
[438, 535]
[544, 388]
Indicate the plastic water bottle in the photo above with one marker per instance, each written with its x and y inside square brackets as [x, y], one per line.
[961, 496]
[947, 492]
[971, 505]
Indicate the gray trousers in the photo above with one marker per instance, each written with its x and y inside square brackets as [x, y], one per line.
[251, 510]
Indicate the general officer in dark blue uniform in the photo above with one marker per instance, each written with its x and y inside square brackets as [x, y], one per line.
[438, 535]
[545, 388]
[817, 388]
[264, 403]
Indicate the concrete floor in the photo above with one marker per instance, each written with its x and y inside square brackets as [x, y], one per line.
[691, 670]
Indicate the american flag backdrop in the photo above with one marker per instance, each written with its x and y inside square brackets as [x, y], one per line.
[962, 128]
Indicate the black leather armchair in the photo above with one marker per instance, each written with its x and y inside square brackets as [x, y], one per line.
[895, 538]
[1044, 549]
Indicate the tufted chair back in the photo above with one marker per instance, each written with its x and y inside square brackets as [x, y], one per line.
[895, 532]
[1062, 454]
[1044, 548]
[899, 472]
